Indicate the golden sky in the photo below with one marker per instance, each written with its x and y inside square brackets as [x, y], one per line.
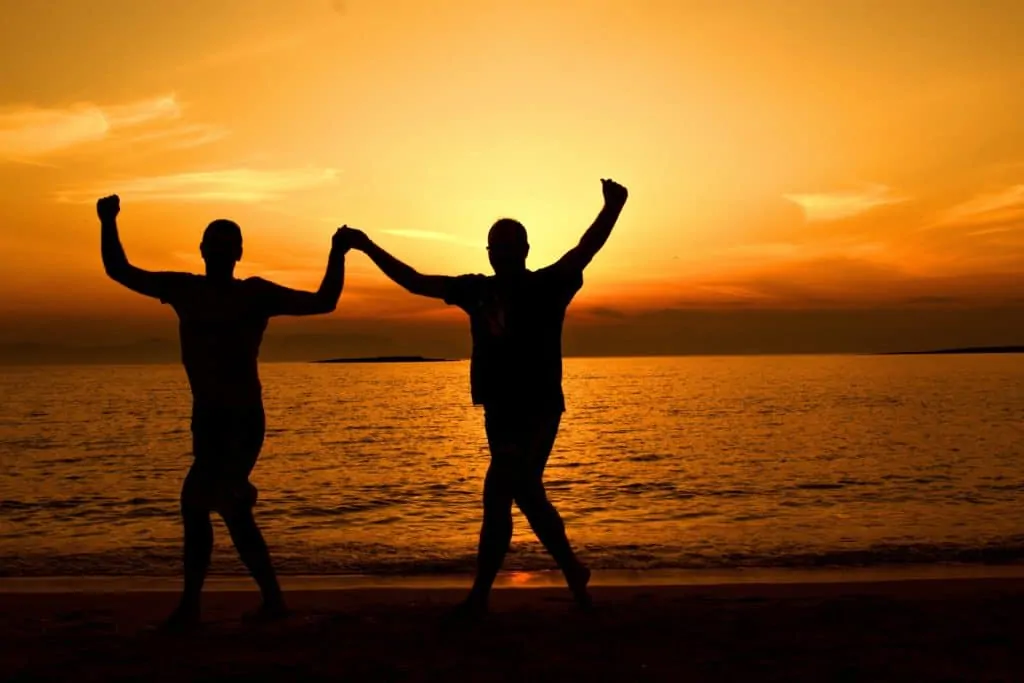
[792, 154]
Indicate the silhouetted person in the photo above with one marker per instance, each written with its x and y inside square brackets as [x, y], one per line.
[516, 318]
[222, 320]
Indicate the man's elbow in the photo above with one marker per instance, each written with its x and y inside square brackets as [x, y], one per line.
[118, 272]
[418, 285]
[326, 305]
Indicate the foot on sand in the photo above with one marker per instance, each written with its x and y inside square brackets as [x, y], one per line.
[182, 620]
[469, 611]
[268, 612]
[578, 581]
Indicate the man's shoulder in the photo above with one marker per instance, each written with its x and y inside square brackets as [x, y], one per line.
[464, 290]
[559, 273]
[259, 285]
[470, 281]
[174, 285]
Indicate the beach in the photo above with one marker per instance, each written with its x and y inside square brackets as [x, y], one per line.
[945, 629]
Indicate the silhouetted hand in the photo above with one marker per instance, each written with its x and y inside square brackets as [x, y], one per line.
[108, 208]
[357, 239]
[341, 239]
[614, 194]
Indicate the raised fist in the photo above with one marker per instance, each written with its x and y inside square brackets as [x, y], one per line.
[614, 193]
[108, 207]
[355, 239]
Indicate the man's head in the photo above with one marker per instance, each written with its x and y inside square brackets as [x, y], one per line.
[507, 247]
[222, 245]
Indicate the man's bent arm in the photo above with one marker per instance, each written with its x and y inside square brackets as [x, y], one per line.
[285, 301]
[580, 256]
[115, 262]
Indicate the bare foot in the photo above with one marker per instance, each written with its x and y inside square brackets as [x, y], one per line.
[578, 581]
[268, 612]
[469, 611]
[182, 620]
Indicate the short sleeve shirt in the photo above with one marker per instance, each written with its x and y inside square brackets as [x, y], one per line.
[221, 327]
[517, 335]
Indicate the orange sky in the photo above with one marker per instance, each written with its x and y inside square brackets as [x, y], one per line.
[788, 154]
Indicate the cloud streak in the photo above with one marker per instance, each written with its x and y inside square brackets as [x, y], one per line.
[990, 209]
[431, 236]
[29, 133]
[834, 206]
[241, 185]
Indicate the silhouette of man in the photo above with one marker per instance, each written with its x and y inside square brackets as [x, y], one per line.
[516, 318]
[222, 320]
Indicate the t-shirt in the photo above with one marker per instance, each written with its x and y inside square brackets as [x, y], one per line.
[221, 326]
[517, 335]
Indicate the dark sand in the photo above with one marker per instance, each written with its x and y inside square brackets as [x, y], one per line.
[928, 630]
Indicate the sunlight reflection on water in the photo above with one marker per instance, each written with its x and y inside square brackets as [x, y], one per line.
[661, 462]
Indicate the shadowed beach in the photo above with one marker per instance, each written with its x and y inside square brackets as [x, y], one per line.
[919, 630]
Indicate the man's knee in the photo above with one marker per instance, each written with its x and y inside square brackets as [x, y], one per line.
[532, 500]
[193, 501]
[497, 502]
[237, 502]
[202, 495]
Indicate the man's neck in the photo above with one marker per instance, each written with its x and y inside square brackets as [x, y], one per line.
[220, 276]
[513, 276]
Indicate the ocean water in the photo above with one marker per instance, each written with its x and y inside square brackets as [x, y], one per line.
[662, 463]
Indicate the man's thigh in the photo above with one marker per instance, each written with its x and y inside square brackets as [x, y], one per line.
[225, 449]
[521, 442]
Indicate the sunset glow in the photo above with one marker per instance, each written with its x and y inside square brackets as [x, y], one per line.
[779, 156]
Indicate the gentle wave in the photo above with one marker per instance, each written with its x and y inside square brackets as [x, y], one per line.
[660, 464]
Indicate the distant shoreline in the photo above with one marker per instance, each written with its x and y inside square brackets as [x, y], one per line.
[961, 351]
[386, 359]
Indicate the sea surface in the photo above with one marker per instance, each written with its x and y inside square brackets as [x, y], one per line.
[662, 463]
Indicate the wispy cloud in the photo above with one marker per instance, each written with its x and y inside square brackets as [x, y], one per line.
[991, 231]
[432, 236]
[226, 185]
[182, 136]
[994, 208]
[792, 251]
[29, 133]
[833, 206]
[248, 49]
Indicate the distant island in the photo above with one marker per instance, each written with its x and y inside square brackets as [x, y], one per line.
[386, 359]
[968, 350]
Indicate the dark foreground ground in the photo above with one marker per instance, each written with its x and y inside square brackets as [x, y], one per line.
[947, 630]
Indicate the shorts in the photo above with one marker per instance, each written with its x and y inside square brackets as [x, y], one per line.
[521, 441]
[226, 443]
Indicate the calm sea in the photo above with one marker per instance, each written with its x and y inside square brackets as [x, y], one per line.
[661, 463]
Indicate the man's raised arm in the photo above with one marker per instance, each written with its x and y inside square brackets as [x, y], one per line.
[435, 286]
[580, 256]
[285, 301]
[115, 262]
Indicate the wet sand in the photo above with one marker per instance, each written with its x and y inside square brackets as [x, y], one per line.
[887, 630]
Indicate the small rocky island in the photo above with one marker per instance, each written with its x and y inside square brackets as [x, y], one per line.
[967, 350]
[386, 359]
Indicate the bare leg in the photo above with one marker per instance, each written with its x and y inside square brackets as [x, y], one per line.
[252, 549]
[495, 533]
[550, 530]
[544, 519]
[198, 548]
